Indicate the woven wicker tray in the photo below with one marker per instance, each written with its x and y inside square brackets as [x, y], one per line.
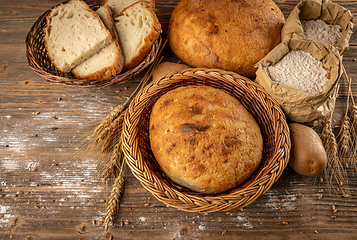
[40, 62]
[271, 119]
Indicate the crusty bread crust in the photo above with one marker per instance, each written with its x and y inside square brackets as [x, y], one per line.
[204, 139]
[225, 34]
[123, 23]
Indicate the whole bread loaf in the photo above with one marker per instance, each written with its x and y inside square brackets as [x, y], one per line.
[108, 61]
[204, 139]
[74, 32]
[138, 28]
[226, 34]
[118, 6]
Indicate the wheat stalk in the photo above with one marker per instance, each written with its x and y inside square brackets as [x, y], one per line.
[328, 138]
[353, 122]
[353, 116]
[344, 135]
[115, 196]
[110, 136]
[334, 170]
[110, 169]
[344, 138]
[109, 119]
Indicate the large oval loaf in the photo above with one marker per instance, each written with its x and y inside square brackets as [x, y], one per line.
[204, 139]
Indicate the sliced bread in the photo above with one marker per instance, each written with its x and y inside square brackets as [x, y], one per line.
[74, 32]
[138, 28]
[118, 6]
[109, 60]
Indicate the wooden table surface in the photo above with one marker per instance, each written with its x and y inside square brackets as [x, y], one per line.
[49, 188]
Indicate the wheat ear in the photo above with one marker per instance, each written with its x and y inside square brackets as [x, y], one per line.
[353, 117]
[115, 196]
[353, 122]
[334, 169]
[109, 119]
[344, 134]
[110, 169]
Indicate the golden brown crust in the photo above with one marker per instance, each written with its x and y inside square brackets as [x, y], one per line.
[204, 139]
[226, 34]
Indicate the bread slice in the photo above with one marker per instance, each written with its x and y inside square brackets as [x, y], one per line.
[118, 6]
[109, 60]
[138, 28]
[74, 32]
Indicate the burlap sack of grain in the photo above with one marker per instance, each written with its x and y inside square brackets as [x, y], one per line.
[331, 13]
[297, 105]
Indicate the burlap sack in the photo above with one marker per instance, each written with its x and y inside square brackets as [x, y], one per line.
[297, 105]
[325, 10]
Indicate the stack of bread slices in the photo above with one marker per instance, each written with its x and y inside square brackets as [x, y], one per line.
[102, 43]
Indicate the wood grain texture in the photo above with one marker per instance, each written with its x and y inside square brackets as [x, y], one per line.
[48, 182]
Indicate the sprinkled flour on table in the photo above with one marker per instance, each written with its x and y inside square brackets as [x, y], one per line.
[319, 31]
[300, 70]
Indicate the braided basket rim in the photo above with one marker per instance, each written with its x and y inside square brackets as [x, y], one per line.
[275, 158]
[41, 64]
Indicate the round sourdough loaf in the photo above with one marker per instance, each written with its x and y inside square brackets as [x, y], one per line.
[227, 34]
[204, 139]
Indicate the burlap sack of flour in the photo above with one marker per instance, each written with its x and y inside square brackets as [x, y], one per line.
[331, 13]
[296, 104]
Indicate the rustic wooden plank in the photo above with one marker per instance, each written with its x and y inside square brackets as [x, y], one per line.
[49, 188]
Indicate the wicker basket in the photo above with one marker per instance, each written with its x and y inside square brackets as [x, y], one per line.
[271, 119]
[40, 62]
